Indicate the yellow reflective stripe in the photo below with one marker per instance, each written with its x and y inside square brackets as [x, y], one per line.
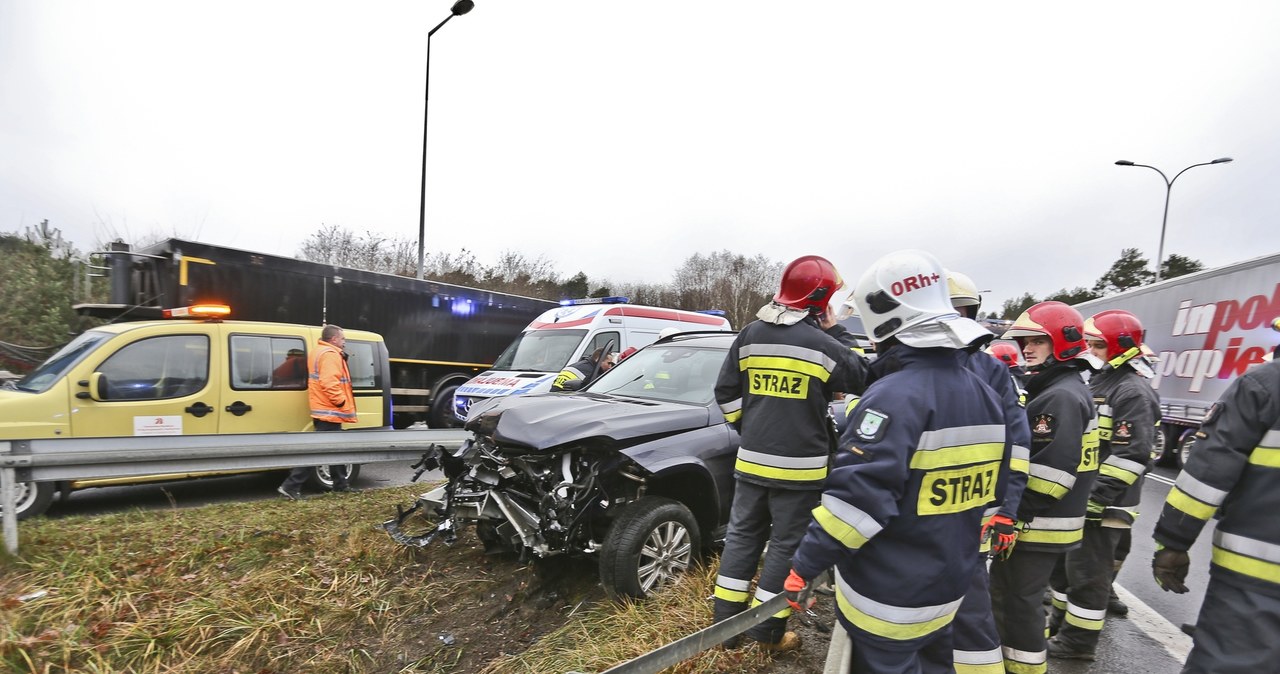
[1185, 503]
[1249, 566]
[848, 407]
[794, 474]
[735, 596]
[1020, 465]
[784, 613]
[997, 668]
[1013, 667]
[1118, 473]
[959, 455]
[786, 364]
[1048, 536]
[1084, 623]
[733, 416]
[1043, 486]
[838, 528]
[1265, 456]
[892, 630]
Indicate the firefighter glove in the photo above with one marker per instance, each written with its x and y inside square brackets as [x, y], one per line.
[1002, 533]
[1170, 569]
[799, 592]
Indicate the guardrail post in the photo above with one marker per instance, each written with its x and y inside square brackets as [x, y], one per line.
[8, 512]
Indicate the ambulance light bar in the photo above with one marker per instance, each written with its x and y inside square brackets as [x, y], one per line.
[593, 300]
[710, 312]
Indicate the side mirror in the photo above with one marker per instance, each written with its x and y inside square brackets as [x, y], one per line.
[98, 386]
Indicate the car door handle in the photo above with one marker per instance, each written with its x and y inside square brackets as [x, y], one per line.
[198, 410]
[238, 408]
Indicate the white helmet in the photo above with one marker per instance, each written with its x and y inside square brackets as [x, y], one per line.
[904, 295]
[963, 291]
[668, 331]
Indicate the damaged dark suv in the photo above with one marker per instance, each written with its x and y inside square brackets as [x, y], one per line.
[636, 469]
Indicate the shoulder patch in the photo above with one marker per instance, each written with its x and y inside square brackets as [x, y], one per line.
[1123, 430]
[872, 425]
[1214, 410]
[1042, 424]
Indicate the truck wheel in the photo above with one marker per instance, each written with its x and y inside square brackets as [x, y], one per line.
[442, 409]
[653, 540]
[320, 479]
[1161, 454]
[1186, 447]
[32, 498]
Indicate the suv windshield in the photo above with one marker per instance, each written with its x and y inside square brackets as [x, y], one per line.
[41, 378]
[540, 351]
[671, 372]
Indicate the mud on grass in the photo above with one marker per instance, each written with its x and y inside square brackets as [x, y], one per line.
[316, 586]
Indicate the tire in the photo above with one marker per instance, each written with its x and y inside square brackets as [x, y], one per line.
[442, 409]
[32, 498]
[653, 540]
[319, 478]
[1186, 447]
[1161, 449]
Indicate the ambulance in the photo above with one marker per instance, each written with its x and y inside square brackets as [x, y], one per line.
[561, 336]
[199, 376]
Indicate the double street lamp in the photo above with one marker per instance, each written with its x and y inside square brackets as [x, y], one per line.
[459, 8]
[1168, 184]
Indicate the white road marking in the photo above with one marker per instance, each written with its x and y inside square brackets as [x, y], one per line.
[1145, 618]
[1160, 478]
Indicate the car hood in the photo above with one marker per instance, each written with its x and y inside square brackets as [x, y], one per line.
[543, 421]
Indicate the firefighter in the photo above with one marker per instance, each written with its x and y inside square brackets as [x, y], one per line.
[976, 641]
[1128, 409]
[1064, 463]
[582, 372]
[775, 387]
[1008, 354]
[1234, 473]
[915, 470]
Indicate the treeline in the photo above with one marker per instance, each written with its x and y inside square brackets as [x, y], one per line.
[1132, 270]
[737, 284]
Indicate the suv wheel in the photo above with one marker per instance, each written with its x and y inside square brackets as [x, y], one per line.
[1160, 454]
[653, 540]
[1185, 448]
[321, 480]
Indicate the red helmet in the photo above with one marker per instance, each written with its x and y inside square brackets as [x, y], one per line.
[1121, 330]
[1055, 320]
[1005, 353]
[810, 282]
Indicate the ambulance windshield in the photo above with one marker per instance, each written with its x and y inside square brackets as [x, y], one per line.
[540, 351]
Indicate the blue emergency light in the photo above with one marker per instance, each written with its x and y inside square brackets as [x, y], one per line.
[593, 300]
[710, 312]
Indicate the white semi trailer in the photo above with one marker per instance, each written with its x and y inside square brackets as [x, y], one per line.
[1207, 329]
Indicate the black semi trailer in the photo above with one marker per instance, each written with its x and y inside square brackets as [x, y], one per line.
[439, 335]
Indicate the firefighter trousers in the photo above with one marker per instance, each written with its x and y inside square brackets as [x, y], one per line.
[1238, 631]
[865, 657]
[1017, 594]
[974, 638]
[1081, 585]
[761, 515]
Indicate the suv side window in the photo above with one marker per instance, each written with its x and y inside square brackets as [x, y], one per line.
[268, 362]
[157, 368]
[362, 361]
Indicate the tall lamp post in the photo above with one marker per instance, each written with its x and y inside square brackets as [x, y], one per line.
[1168, 185]
[459, 8]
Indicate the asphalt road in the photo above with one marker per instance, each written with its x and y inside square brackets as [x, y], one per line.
[1149, 640]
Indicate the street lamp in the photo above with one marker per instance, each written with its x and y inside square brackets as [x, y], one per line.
[1168, 184]
[459, 8]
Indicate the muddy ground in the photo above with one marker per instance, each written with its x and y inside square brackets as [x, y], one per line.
[507, 605]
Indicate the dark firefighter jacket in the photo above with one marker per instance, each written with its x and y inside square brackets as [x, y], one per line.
[1235, 473]
[997, 376]
[575, 375]
[1064, 459]
[1128, 409]
[915, 470]
[774, 387]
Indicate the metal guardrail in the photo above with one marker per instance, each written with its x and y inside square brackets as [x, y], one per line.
[56, 459]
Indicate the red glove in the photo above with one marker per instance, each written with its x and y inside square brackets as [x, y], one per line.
[1003, 534]
[797, 590]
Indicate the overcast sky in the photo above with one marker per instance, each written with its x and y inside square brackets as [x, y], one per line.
[618, 138]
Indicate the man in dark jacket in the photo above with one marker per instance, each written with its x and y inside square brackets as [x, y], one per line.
[584, 371]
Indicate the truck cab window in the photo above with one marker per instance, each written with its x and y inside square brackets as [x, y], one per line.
[158, 368]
